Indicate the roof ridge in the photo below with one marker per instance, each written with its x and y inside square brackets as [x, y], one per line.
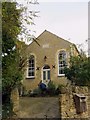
[41, 34]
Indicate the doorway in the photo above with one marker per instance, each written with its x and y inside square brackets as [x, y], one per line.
[46, 74]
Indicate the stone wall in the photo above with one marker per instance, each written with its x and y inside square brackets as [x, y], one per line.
[15, 100]
[66, 100]
[68, 108]
[55, 45]
[89, 102]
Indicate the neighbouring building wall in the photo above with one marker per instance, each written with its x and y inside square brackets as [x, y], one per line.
[68, 106]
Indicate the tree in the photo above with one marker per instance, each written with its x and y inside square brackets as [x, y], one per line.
[13, 61]
[27, 18]
[79, 70]
[11, 27]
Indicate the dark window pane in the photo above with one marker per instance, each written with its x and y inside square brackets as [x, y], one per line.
[44, 75]
[64, 63]
[30, 65]
[48, 74]
[33, 65]
[61, 70]
[29, 74]
[30, 69]
[46, 67]
[32, 73]
[61, 65]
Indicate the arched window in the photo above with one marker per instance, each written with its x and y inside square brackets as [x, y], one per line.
[46, 72]
[31, 67]
[61, 62]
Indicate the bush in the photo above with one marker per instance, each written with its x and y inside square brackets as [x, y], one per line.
[7, 107]
[79, 71]
[61, 89]
[51, 90]
[35, 92]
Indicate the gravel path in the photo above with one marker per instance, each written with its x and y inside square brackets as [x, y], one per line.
[40, 107]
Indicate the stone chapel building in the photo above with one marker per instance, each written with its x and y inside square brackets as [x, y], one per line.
[47, 59]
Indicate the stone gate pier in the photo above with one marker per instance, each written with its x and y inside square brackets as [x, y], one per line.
[15, 100]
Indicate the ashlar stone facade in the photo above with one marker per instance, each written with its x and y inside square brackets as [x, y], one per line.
[47, 56]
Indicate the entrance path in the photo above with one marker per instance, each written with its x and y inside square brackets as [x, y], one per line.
[39, 107]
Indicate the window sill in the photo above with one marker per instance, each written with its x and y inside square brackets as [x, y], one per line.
[61, 75]
[30, 77]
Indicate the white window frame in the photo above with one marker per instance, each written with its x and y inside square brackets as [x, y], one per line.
[46, 70]
[62, 64]
[30, 67]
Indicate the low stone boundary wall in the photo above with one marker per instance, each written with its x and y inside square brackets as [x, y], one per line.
[69, 106]
[15, 100]
[70, 102]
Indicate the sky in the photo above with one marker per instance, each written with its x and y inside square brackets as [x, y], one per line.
[68, 20]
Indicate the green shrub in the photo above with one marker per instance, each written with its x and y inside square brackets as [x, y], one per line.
[61, 89]
[51, 88]
[7, 110]
[35, 92]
